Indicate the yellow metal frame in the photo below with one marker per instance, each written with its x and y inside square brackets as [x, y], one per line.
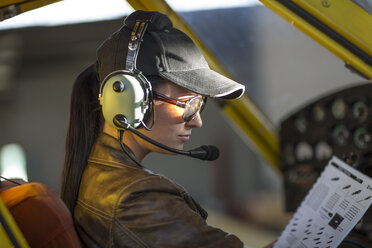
[243, 113]
[25, 5]
[345, 17]
[11, 226]
[10, 2]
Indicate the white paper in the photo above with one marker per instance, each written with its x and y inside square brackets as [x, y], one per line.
[334, 205]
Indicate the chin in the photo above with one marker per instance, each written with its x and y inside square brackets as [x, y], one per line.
[163, 151]
[179, 147]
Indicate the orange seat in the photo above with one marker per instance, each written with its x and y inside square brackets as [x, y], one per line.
[41, 215]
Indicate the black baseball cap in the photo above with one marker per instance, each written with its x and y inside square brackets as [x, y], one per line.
[166, 52]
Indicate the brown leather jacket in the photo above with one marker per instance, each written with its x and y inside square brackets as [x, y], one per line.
[123, 205]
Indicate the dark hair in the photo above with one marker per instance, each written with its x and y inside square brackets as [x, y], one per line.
[86, 121]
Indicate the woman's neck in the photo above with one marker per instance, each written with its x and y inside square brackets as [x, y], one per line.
[129, 140]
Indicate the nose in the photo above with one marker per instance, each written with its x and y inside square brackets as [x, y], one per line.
[196, 122]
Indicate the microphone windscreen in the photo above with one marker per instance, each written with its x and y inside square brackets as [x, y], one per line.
[212, 152]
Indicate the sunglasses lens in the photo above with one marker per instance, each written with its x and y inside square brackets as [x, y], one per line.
[192, 107]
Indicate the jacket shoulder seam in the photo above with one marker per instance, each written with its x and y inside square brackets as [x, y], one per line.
[137, 181]
[130, 234]
[94, 210]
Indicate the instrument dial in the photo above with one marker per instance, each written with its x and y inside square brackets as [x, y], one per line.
[304, 151]
[360, 111]
[362, 138]
[340, 135]
[323, 151]
[339, 108]
[318, 113]
[301, 124]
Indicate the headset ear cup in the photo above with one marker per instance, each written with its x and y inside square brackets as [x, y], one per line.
[122, 93]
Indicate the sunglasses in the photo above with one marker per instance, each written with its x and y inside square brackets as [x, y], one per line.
[191, 105]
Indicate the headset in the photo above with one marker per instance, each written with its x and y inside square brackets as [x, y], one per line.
[127, 100]
[128, 92]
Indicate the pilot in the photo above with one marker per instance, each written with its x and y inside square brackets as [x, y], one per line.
[115, 201]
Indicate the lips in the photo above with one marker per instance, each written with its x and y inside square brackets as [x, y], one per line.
[184, 138]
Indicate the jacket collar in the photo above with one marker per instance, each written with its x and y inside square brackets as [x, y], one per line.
[107, 148]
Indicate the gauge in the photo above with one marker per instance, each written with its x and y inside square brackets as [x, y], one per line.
[361, 138]
[318, 113]
[304, 151]
[301, 124]
[339, 108]
[288, 154]
[323, 151]
[360, 111]
[340, 135]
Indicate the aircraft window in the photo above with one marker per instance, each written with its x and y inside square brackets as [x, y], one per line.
[13, 162]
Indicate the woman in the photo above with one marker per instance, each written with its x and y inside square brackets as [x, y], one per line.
[114, 200]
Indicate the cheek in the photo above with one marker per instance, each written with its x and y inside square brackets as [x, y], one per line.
[168, 114]
[168, 122]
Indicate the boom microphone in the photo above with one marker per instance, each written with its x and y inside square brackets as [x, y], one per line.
[204, 152]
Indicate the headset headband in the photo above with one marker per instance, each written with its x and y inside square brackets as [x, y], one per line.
[129, 92]
[136, 39]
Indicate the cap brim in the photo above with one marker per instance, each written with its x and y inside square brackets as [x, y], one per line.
[206, 82]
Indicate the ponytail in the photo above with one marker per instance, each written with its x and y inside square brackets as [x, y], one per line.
[85, 124]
